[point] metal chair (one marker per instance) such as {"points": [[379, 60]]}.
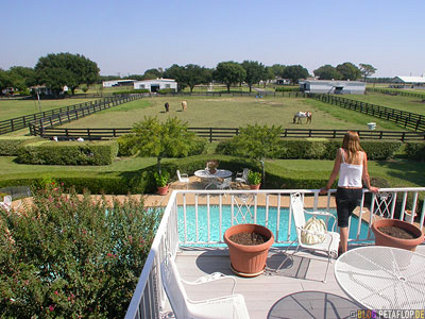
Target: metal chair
{"points": [[329, 246], [242, 177], [220, 307], [183, 178], [7, 203]]}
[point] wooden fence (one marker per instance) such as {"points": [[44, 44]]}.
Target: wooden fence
{"points": [[216, 134], [400, 92], [409, 120], [74, 111]]}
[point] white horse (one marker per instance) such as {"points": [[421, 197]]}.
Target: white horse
{"points": [[301, 115]]}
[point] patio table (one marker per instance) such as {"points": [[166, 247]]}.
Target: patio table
{"points": [[209, 178], [383, 278]]}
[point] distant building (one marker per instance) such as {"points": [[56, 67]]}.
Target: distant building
{"points": [[409, 81], [126, 82], [156, 85], [332, 87]]}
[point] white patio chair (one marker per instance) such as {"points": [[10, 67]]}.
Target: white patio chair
{"points": [[183, 178], [330, 244], [242, 177], [231, 306], [7, 203], [225, 184]]}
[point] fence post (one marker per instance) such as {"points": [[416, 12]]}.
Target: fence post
{"points": [[210, 134]]}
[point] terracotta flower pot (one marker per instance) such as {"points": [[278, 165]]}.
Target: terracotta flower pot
{"points": [[162, 190], [382, 239], [248, 261], [255, 187]]}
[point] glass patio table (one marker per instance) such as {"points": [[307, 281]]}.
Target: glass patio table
{"points": [[383, 278], [210, 179]]}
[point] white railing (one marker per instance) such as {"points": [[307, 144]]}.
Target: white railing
{"points": [[244, 206]]}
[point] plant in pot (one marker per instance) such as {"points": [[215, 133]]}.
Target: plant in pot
{"points": [[212, 166], [249, 245], [397, 233], [254, 180], [161, 180]]}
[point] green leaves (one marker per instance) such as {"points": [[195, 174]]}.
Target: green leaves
{"points": [[70, 256]]}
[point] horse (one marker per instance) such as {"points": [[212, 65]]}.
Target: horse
{"points": [[184, 105], [300, 115]]}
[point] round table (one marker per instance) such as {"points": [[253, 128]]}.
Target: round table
{"points": [[383, 277], [220, 173]]}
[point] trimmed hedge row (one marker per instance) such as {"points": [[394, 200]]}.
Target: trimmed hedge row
{"points": [[10, 145], [415, 151], [68, 153], [138, 91], [318, 148]]}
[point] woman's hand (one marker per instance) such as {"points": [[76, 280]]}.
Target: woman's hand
{"points": [[323, 190], [374, 189]]}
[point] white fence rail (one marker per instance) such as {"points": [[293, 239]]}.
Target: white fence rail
{"points": [[204, 210]]}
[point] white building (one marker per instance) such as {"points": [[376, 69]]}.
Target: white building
{"points": [[109, 84], [156, 85], [410, 80], [332, 87]]}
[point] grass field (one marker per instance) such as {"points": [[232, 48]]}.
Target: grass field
{"points": [[403, 103], [232, 112], [15, 108]]}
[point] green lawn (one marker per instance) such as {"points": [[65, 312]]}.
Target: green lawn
{"points": [[15, 108], [403, 103], [232, 112]]}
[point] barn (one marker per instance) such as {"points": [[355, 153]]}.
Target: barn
{"points": [[332, 87], [109, 84], [409, 81], [156, 85]]}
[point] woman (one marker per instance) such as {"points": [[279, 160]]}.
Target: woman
{"points": [[351, 164]]}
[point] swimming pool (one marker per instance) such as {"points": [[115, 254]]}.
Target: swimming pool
{"points": [[226, 222]]}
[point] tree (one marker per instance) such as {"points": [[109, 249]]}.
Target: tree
{"points": [[58, 70], [23, 77], [366, 70], [327, 72], [5, 80], [153, 74], [258, 143], [176, 72], [194, 75], [295, 73], [278, 69], [229, 72], [348, 71], [153, 138], [254, 72]]}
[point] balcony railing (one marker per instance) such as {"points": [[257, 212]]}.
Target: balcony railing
{"points": [[175, 228]]}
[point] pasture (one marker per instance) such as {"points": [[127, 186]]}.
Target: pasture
{"points": [[232, 112], [15, 108]]}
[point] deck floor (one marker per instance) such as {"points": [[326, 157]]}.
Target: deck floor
{"points": [[296, 292]]}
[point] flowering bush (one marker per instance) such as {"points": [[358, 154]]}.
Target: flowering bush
{"points": [[72, 257]]}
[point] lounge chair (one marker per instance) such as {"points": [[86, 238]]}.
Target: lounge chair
{"points": [[328, 247], [183, 178], [220, 307]]}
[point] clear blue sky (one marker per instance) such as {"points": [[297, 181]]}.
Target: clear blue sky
{"points": [[126, 37]]}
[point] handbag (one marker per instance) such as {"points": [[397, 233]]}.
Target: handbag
{"points": [[317, 226]]}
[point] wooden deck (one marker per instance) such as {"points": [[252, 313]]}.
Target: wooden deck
{"points": [[295, 292]]}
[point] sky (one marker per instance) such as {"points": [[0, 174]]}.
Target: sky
{"points": [[128, 36]]}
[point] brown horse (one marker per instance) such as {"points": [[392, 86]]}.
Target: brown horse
{"points": [[300, 115]]}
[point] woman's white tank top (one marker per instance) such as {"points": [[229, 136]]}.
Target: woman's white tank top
{"points": [[350, 175]]}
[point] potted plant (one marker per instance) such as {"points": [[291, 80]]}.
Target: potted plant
{"points": [[249, 246], [254, 180], [161, 180], [397, 233], [212, 166]]}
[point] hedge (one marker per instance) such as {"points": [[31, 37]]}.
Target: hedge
{"points": [[287, 89], [415, 151], [318, 148], [68, 153], [138, 91], [10, 145]]}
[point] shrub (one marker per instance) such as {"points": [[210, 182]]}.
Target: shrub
{"points": [[70, 257], [166, 91], [415, 151], [287, 89], [380, 150], [138, 91], [69, 153], [9, 146]]}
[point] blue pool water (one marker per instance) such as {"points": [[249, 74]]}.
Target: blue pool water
{"points": [[214, 232]]}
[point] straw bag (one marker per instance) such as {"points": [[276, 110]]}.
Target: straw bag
{"points": [[317, 226]]}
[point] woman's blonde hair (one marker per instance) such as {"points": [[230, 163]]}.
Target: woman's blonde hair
{"points": [[351, 143]]}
